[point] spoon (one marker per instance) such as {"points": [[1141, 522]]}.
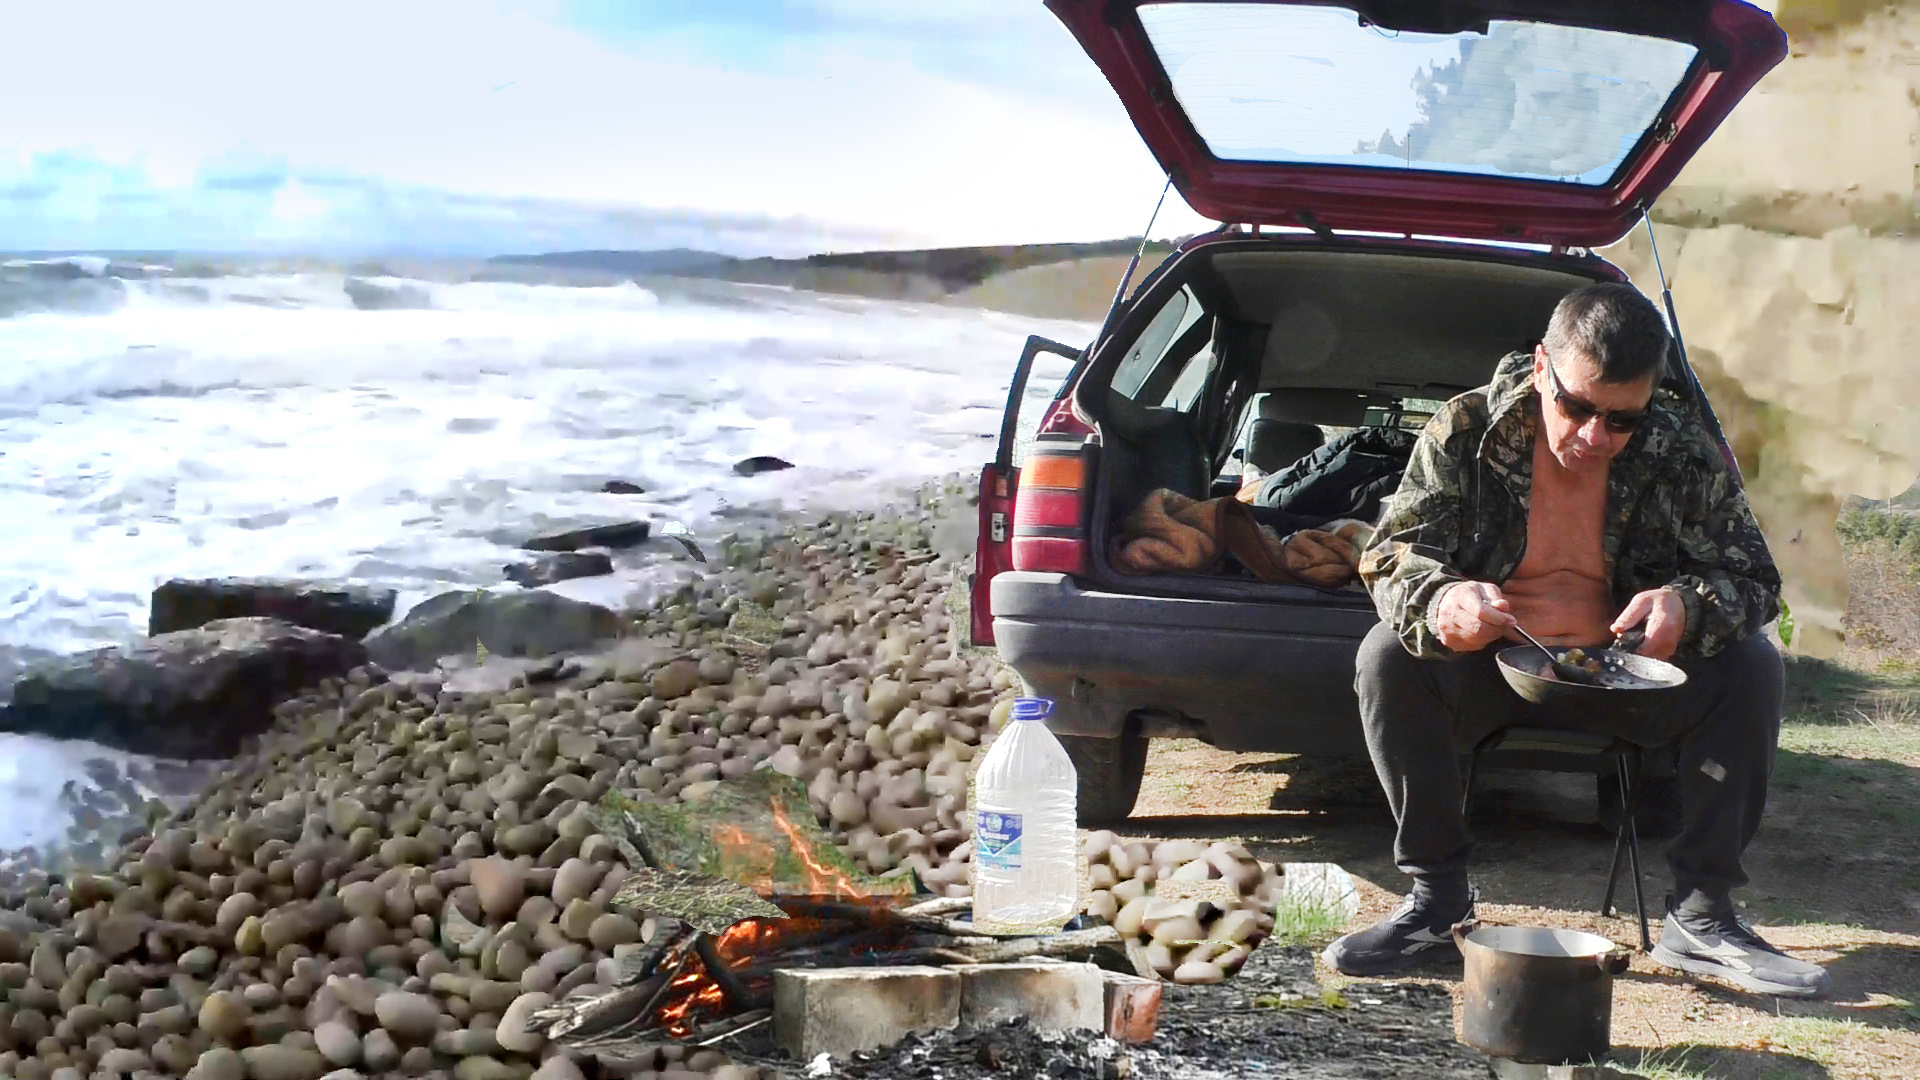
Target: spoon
{"points": [[1563, 671]]}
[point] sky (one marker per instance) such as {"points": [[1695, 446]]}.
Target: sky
{"points": [[475, 127]]}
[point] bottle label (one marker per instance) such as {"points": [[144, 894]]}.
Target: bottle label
{"points": [[996, 841]]}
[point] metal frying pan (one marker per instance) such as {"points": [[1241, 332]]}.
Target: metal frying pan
{"points": [[1625, 678]]}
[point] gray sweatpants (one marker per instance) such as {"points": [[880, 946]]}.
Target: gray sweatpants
{"points": [[1421, 715]]}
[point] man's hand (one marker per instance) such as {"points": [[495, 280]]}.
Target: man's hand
{"points": [[1471, 615], [1666, 619]]}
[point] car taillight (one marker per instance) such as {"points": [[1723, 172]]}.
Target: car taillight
{"points": [[1049, 510]]}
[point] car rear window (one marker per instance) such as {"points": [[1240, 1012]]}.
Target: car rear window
{"points": [[1179, 313], [1310, 84]]}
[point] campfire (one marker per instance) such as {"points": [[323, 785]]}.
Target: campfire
{"points": [[744, 884]]}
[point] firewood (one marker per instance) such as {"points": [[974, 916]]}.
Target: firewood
{"points": [[1079, 944]]}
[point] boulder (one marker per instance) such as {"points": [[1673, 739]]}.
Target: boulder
{"points": [[187, 694], [561, 566], [347, 610], [622, 487], [619, 534], [535, 624], [760, 463]]}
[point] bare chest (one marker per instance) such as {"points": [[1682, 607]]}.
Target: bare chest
{"points": [[1566, 527]]}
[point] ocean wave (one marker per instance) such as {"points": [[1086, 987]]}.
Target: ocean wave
{"points": [[79, 336], [90, 285]]}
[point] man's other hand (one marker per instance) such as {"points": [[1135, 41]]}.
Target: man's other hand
{"points": [[1471, 616], [1665, 617]]}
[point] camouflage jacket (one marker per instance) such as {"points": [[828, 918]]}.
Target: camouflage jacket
{"points": [[1676, 517]]}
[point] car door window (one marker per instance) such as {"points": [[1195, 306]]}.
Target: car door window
{"points": [[1192, 381], [1179, 313]]}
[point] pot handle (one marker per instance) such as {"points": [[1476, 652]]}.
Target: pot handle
{"points": [[1462, 928], [1614, 961]]}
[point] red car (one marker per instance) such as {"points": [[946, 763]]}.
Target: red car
{"points": [[1408, 187]]}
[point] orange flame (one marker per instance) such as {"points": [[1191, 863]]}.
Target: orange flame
{"points": [[694, 992], [749, 860], [822, 880], [684, 1000]]}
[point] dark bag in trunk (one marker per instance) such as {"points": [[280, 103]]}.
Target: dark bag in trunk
{"points": [[1347, 478]]}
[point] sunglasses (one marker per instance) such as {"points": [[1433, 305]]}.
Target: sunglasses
{"points": [[1580, 410]]}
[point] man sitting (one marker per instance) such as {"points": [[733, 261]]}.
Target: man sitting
{"points": [[1568, 497]]}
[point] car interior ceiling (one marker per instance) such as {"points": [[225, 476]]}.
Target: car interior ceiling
{"points": [[1297, 342]]}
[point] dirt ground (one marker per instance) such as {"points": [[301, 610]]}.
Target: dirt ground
{"points": [[1835, 877]]}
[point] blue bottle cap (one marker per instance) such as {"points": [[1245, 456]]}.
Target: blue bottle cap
{"points": [[1032, 708]]}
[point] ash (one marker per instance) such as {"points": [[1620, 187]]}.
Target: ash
{"points": [[1271, 1020]]}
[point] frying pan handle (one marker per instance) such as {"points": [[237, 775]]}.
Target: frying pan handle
{"points": [[1630, 640], [1614, 961]]}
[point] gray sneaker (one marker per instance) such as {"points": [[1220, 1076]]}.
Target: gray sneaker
{"points": [[1401, 940], [1722, 946]]}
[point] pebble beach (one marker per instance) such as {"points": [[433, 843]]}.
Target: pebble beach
{"points": [[399, 874]]}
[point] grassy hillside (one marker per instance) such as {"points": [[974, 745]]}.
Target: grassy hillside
{"points": [[928, 274]]}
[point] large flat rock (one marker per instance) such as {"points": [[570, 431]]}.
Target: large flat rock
{"points": [[195, 693], [347, 610], [532, 623], [613, 536]]}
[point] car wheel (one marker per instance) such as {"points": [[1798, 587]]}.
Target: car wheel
{"points": [[1658, 815], [1109, 773]]}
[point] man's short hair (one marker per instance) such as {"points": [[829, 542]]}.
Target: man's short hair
{"points": [[1616, 326]]}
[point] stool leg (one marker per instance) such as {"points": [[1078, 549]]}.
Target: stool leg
{"points": [[1619, 842], [1630, 795], [1473, 770]]}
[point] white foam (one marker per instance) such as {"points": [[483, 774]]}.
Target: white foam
{"points": [[32, 772], [298, 436]]}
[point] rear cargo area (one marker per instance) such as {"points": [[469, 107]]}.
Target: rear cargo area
{"points": [[1291, 379]]}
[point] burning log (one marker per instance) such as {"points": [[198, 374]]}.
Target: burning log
{"points": [[582, 1021]]}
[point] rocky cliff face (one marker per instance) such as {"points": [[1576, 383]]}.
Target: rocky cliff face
{"points": [[1791, 249]]}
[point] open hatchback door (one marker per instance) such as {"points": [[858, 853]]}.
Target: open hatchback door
{"points": [[1553, 122]]}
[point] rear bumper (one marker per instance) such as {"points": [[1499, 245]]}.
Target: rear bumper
{"points": [[1274, 676]]}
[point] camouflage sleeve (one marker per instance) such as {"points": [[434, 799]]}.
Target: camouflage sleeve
{"points": [[1727, 578], [1408, 563]]}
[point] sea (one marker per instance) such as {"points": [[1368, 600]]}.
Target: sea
{"points": [[408, 425]]}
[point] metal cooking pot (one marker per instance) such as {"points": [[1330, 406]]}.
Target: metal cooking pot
{"points": [[1537, 995]]}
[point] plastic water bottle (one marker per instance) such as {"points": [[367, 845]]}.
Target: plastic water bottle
{"points": [[1026, 867]]}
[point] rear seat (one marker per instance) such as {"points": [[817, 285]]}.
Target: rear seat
{"points": [[1273, 445]]}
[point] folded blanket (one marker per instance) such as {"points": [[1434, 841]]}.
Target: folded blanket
{"points": [[1169, 532]]}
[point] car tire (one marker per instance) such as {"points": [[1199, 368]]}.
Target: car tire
{"points": [[1658, 815], [1109, 771]]}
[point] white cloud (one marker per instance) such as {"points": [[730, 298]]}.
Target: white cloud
{"points": [[296, 213], [405, 94]]}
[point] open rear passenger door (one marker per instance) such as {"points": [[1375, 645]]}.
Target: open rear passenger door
{"points": [[1000, 484]]}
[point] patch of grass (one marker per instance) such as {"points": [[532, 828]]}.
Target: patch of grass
{"points": [[1668, 1063], [1825, 692], [1896, 742], [1306, 919], [1325, 999], [1815, 1038]]}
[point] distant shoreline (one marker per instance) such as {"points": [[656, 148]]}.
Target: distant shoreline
{"points": [[1055, 281]]}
